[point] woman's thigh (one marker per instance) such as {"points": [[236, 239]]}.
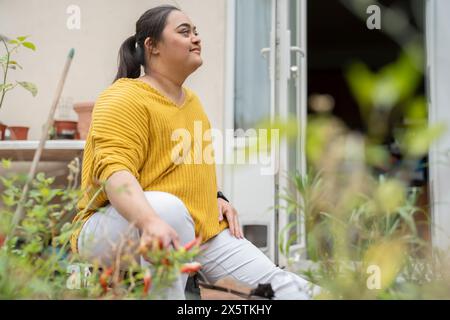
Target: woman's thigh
{"points": [[226, 255], [107, 233]]}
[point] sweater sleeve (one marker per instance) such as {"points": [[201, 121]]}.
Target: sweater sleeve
{"points": [[119, 136]]}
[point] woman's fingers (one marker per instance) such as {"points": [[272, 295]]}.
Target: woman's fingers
{"points": [[231, 226], [143, 248], [156, 244], [176, 242], [220, 212], [229, 214], [237, 227], [233, 222]]}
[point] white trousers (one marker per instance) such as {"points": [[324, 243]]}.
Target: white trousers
{"points": [[107, 233]]}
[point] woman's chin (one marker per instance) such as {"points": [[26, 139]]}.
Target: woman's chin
{"points": [[196, 64]]}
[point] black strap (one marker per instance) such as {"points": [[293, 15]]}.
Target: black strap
{"points": [[221, 196]]}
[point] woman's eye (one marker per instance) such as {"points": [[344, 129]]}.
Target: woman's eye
{"points": [[186, 32]]}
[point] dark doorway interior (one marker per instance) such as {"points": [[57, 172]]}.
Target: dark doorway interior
{"points": [[336, 37]]}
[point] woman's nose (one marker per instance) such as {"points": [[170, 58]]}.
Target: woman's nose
{"points": [[196, 39]]}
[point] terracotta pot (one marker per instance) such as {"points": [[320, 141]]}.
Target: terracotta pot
{"points": [[65, 129], [18, 133], [2, 131], [84, 111]]}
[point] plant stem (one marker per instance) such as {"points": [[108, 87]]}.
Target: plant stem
{"points": [[5, 71]]}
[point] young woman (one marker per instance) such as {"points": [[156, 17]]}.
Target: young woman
{"points": [[131, 144]]}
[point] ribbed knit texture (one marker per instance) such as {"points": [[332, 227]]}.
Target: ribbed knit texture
{"points": [[131, 129]]}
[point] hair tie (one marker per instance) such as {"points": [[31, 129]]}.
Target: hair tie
{"points": [[139, 54]]}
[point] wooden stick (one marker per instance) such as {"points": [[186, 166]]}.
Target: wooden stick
{"points": [[231, 291], [18, 215]]}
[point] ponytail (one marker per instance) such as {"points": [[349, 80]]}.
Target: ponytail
{"points": [[129, 59]]}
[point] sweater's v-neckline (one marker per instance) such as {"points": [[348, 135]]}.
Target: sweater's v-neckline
{"points": [[148, 86]]}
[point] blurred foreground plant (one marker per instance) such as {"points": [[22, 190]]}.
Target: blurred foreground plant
{"points": [[36, 261], [359, 206]]}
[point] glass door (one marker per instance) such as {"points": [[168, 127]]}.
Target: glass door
{"points": [[266, 81]]}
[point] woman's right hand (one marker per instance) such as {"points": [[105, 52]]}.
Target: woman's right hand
{"points": [[157, 234]]}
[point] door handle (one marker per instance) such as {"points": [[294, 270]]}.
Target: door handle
{"points": [[265, 51], [299, 51], [295, 70]]}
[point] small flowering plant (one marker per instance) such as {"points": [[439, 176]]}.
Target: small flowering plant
{"points": [[36, 261], [167, 264]]}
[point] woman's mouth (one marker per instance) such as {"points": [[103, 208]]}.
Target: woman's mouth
{"points": [[196, 50]]}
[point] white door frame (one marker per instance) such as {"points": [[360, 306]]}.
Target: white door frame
{"points": [[284, 51], [280, 50], [438, 94]]}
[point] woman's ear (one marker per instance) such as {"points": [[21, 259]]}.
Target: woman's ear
{"points": [[148, 43]]}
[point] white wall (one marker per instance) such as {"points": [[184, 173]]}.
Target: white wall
{"points": [[105, 24], [438, 51]]}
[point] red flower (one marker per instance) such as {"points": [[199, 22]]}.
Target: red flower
{"points": [[166, 262], [193, 243], [2, 240], [190, 267], [104, 278], [143, 248], [147, 281]]}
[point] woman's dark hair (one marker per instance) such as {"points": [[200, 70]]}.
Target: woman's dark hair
{"points": [[132, 52]]}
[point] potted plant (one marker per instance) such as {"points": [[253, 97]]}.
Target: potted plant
{"points": [[65, 129], [84, 111], [18, 132], [12, 46], [2, 131]]}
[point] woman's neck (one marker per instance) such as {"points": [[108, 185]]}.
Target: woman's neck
{"points": [[170, 87]]}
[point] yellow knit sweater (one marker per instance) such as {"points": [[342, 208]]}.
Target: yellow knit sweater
{"points": [[131, 129]]}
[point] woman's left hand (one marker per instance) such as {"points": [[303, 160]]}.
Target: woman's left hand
{"points": [[230, 213]]}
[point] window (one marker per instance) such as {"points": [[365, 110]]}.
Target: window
{"points": [[251, 75]]}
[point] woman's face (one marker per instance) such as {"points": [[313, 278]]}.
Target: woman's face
{"points": [[180, 47]]}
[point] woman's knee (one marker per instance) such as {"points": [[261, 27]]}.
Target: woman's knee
{"points": [[103, 234], [173, 211]]}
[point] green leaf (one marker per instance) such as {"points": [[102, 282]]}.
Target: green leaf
{"points": [[29, 45], [416, 141], [40, 177], [376, 155], [6, 163], [408, 217], [22, 38], [6, 87], [8, 200], [361, 82], [33, 247], [31, 87], [14, 63], [13, 42], [416, 111], [34, 194], [39, 212]]}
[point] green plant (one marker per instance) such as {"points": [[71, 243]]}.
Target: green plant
{"points": [[6, 61], [358, 205], [36, 261]]}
